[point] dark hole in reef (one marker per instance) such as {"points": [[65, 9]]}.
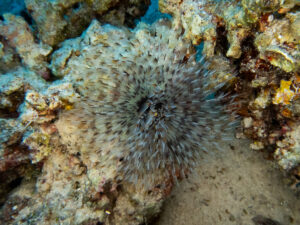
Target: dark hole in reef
{"points": [[132, 12], [248, 47], [271, 116], [15, 183], [47, 75], [133, 16], [222, 43], [280, 138], [16, 99], [141, 103], [279, 15], [249, 52], [4, 114], [1, 17], [76, 6], [295, 9], [77, 185], [27, 17], [12, 112], [99, 223]]}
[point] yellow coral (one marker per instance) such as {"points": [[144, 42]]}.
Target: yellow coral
{"points": [[284, 94], [68, 107], [287, 113]]}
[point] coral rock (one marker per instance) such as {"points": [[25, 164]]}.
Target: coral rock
{"points": [[279, 43], [19, 36], [288, 149], [61, 19]]}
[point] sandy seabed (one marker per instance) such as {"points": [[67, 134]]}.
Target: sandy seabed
{"points": [[233, 187]]}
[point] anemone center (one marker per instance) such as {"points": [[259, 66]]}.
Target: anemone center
{"points": [[158, 105], [147, 104], [150, 111]]}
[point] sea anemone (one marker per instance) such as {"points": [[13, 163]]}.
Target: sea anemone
{"points": [[157, 110]]}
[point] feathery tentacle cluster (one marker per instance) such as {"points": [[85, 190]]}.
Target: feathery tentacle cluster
{"points": [[155, 111]]}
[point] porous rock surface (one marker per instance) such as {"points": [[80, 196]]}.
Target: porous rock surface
{"points": [[260, 42], [61, 19]]}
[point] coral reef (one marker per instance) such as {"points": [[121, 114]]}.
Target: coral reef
{"points": [[44, 172], [288, 149], [279, 42], [84, 107], [195, 19], [26, 115], [13, 158], [61, 19], [260, 42], [87, 169]]}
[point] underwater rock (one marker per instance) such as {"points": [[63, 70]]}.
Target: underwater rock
{"points": [[259, 40], [25, 138], [19, 36], [195, 18], [288, 149], [279, 43], [42, 107], [256, 8], [13, 87], [9, 58], [39, 111], [14, 158], [61, 19], [201, 20], [11, 94], [11, 132]]}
